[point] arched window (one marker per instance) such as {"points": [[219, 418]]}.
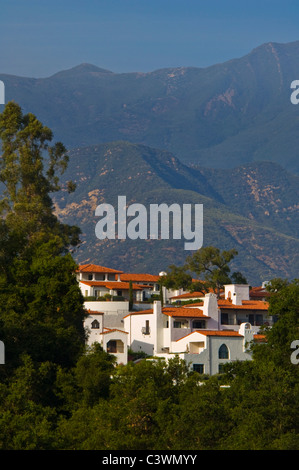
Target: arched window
{"points": [[223, 352], [95, 325]]}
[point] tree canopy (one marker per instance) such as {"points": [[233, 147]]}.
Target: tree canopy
{"points": [[58, 394], [210, 265]]}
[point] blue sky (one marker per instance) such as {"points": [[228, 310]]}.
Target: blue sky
{"points": [[41, 37]]}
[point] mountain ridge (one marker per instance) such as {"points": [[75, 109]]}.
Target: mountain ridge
{"points": [[219, 116], [105, 171]]}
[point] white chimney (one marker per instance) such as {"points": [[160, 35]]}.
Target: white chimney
{"points": [[236, 293]]}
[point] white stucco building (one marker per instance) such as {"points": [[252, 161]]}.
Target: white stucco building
{"points": [[191, 333], [112, 339], [206, 334]]}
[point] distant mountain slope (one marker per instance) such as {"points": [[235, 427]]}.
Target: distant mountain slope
{"points": [[261, 191], [146, 175], [221, 116]]}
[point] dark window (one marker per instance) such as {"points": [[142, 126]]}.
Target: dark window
{"points": [[223, 352], [198, 368], [95, 324], [111, 346], [224, 318], [259, 320], [90, 276], [199, 324]]}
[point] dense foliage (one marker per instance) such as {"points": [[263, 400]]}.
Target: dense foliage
{"points": [[57, 394]]}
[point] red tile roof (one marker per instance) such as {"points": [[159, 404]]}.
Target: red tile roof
{"points": [[94, 312], [189, 295], [110, 330], [225, 333], [139, 277], [140, 312], [258, 292], [184, 312], [112, 285], [178, 312], [246, 305], [219, 333], [94, 268], [260, 338]]}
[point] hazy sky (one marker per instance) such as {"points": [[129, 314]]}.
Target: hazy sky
{"points": [[41, 37]]}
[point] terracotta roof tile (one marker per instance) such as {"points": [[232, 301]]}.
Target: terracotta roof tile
{"points": [[139, 277], [246, 305], [188, 295], [111, 285], [184, 312], [222, 333], [94, 268], [178, 312], [110, 330]]}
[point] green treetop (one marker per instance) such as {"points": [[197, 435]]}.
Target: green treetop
{"points": [[40, 302]]}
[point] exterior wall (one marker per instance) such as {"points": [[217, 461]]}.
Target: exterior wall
{"points": [[112, 307], [87, 291], [236, 292], [122, 345], [198, 348], [138, 340], [235, 347], [209, 356], [94, 334], [236, 318], [183, 345], [158, 336], [98, 276]]}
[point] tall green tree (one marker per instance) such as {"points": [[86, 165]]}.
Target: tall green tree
{"points": [[210, 265], [264, 392], [40, 302], [213, 265]]}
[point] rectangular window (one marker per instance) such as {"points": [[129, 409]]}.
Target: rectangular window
{"points": [[177, 324], [224, 318], [111, 347], [258, 320], [145, 330], [198, 368]]}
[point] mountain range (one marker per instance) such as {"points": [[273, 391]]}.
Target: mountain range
{"points": [[251, 208], [220, 116], [224, 136]]}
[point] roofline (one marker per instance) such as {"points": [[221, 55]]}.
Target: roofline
{"points": [[213, 333]]}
